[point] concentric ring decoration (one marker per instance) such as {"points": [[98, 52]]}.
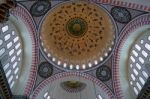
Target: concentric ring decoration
{"points": [[40, 8], [45, 69], [103, 73], [121, 15], [55, 80], [22, 14], [73, 86], [81, 42], [125, 41]]}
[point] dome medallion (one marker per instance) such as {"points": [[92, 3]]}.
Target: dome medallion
{"points": [[76, 27]]}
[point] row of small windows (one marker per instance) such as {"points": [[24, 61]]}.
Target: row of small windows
{"points": [[139, 56], [47, 96], [10, 46]]}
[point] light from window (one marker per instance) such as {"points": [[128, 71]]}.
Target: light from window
{"points": [[149, 38], [77, 67], [142, 41], [131, 65], [141, 60], [83, 66], [142, 80], [5, 28], [135, 72], [16, 39], [48, 97], [145, 74], [71, 66], [138, 47], [13, 58], [133, 77], [8, 73], [17, 46], [6, 66], [2, 51], [53, 59], [147, 46], [135, 53], [144, 53], [59, 62], [101, 58], [17, 77], [95, 62], [139, 86], [15, 64], [7, 37], [16, 70], [99, 97], [131, 83], [45, 95], [12, 84], [10, 78], [9, 45], [19, 52], [13, 32], [11, 52], [65, 65], [138, 66], [133, 60], [135, 90]]}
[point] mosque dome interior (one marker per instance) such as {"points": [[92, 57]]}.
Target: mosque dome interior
{"points": [[74, 49]]}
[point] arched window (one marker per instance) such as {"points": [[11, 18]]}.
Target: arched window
{"points": [[139, 57]]}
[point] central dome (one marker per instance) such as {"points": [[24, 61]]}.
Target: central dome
{"points": [[77, 34]]}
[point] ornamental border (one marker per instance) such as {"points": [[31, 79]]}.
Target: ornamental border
{"points": [[68, 74], [124, 4], [129, 28], [22, 12]]}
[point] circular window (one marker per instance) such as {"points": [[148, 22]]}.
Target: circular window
{"points": [[10, 51], [77, 35]]}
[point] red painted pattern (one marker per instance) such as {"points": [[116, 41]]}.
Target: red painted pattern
{"points": [[123, 4], [43, 84], [25, 16]]}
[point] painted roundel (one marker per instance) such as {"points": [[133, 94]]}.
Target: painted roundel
{"points": [[103, 73], [120, 14], [45, 69], [77, 35], [73, 86], [40, 8]]}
